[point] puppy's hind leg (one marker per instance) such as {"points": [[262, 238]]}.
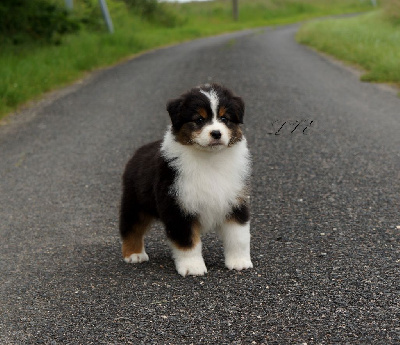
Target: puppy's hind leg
{"points": [[133, 249], [133, 225]]}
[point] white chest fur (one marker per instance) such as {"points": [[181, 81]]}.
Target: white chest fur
{"points": [[208, 184]]}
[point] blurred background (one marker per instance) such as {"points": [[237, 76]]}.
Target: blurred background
{"points": [[46, 44]]}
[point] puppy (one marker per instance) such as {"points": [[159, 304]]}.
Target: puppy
{"points": [[194, 180]]}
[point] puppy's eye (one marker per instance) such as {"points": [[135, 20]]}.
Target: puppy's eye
{"points": [[223, 119], [199, 121]]}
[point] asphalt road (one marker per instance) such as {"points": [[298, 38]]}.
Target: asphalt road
{"points": [[325, 207]]}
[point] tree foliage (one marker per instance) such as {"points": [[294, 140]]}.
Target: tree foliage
{"points": [[23, 20]]}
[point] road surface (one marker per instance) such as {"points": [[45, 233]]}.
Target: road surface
{"points": [[325, 206]]}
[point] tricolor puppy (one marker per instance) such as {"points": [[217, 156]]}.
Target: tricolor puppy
{"points": [[195, 180]]}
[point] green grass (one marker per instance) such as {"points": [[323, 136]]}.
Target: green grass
{"points": [[29, 70], [370, 41]]}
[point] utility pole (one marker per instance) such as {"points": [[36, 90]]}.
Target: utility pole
{"points": [[106, 15], [235, 8], [69, 4]]}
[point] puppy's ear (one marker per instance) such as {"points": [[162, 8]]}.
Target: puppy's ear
{"points": [[238, 106], [173, 108]]}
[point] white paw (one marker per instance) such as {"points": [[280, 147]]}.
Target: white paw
{"points": [[191, 267], [136, 258], [237, 263]]}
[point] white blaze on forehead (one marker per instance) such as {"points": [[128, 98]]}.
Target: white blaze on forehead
{"points": [[213, 97]]}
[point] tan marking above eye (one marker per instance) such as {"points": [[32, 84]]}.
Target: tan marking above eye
{"points": [[221, 111], [202, 112]]}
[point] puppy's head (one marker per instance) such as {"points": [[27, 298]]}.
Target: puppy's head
{"points": [[207, 117]]}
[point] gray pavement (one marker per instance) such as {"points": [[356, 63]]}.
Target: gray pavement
{"points": [[325, 207]]}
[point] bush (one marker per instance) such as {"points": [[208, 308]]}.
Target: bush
{"points": [[391, 10], [23, 20], [90, 14], [154, 12]]}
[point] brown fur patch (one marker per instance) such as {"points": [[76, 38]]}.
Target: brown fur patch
{"points": [[240, 214], [221, 111], [134, 242], [196, 231], [202, 112], [186, 134], [231, 220], [236, 135]]}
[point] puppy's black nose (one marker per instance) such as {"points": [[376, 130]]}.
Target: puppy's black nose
{"points": [[216, 134]]}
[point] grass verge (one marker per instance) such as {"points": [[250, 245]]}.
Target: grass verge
{"points": [[29, 70], [370, 41]]}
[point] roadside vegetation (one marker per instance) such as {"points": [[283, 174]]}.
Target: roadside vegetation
{"points": [[370, 41], [44, 46]]}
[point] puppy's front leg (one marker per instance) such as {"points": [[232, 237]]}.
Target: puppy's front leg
{"points": [[186, 248], [236, 239], [189, 261]]}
